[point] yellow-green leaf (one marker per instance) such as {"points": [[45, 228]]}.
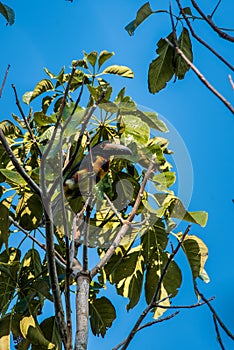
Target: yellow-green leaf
{"points": [[122, 71], [31, 331], [103, 57], [43, 86]]}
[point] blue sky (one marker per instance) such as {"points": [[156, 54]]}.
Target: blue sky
{"points": [[53, 33]]}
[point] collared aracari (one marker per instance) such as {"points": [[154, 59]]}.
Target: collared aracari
{"points": [[76, 183]]}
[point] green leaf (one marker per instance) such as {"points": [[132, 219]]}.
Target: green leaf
{"points": [[91, 57], [29, 211], [164, 180], [151, 119], [122, 71], [4, 220], [50, 331], [8, 13], [144, 12], [161, 69], [102, 314], [103, 57], [5, 327], [13, 176], [42, 120], [43, 86], [197, 254], [31, 331], [185, 46], [136, 129]]}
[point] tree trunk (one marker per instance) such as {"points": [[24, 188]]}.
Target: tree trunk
{"points": [[82, 312]]}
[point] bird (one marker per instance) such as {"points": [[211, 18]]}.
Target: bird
{"points": [[77, 182]]}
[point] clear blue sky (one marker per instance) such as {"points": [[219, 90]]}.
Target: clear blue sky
{"points": [[53, 33]]}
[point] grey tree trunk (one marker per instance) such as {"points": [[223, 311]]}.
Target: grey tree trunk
{"points": [[82, 312]]}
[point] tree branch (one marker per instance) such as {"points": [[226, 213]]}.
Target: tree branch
{"points": [[209, 20], [123, 230], [157, 291], [204, 43], [4, 80], [200, 76], [25, 119], [214, 312], [218, 333], [148, 324], [34, 187]]}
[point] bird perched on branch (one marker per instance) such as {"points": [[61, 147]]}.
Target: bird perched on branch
{"points": [[77, 182]]}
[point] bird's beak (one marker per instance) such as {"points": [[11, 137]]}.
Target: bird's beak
{"points": [[113, 149]]}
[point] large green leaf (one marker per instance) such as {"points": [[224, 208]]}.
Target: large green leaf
{"points": [[161, 69], [13, 176], [5, 327], [31, 331], [136, 129], [123, 71], [43, 86], [185, 45], [103, 57], [102, 314], [197, 254], [152, 120], [50, 331], [29, 211], [144, 12], [129, 276], [8, 13]]}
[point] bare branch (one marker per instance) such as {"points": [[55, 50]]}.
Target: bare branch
{"points": [[203, 42], [182, 306], [231, 81], [209, 20], [25, 120], [218, 333], [34, 187], [200, 76], [127, 223], [148, 324], [114, 209], [157, 291], [214, 313], [4, 80]]}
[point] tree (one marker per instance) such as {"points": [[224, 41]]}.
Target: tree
{"points": [[49, 136]]}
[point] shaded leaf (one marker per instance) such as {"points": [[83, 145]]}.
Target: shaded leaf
{"points": [[42, 120], [29, 211], [4, 220], [8, 13], [185, 45], [123, 71], [50, 331], [144, 12], [5, 327], [13, 176], [161, 69], [102, 314]]}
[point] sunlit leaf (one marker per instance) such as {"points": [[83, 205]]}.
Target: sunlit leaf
{"points": [[102, 314], [161, 69], [123, 71], [13, 176], [197, 254], [8, 13], [103, 57], [144, 12], [152, 120], [91, 57], [43, 86]]}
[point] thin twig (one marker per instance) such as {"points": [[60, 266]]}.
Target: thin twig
{"points": [[218, 333], [215, 9], [25, 120], [59, 258], [200, 76], [4, 80], [114, 209], [209, 20], [231, 81], [34, 187], [203, 42], [183, 306], [127, 223], [67, 296], [157, 291], [148, 324], [214, 313]]}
